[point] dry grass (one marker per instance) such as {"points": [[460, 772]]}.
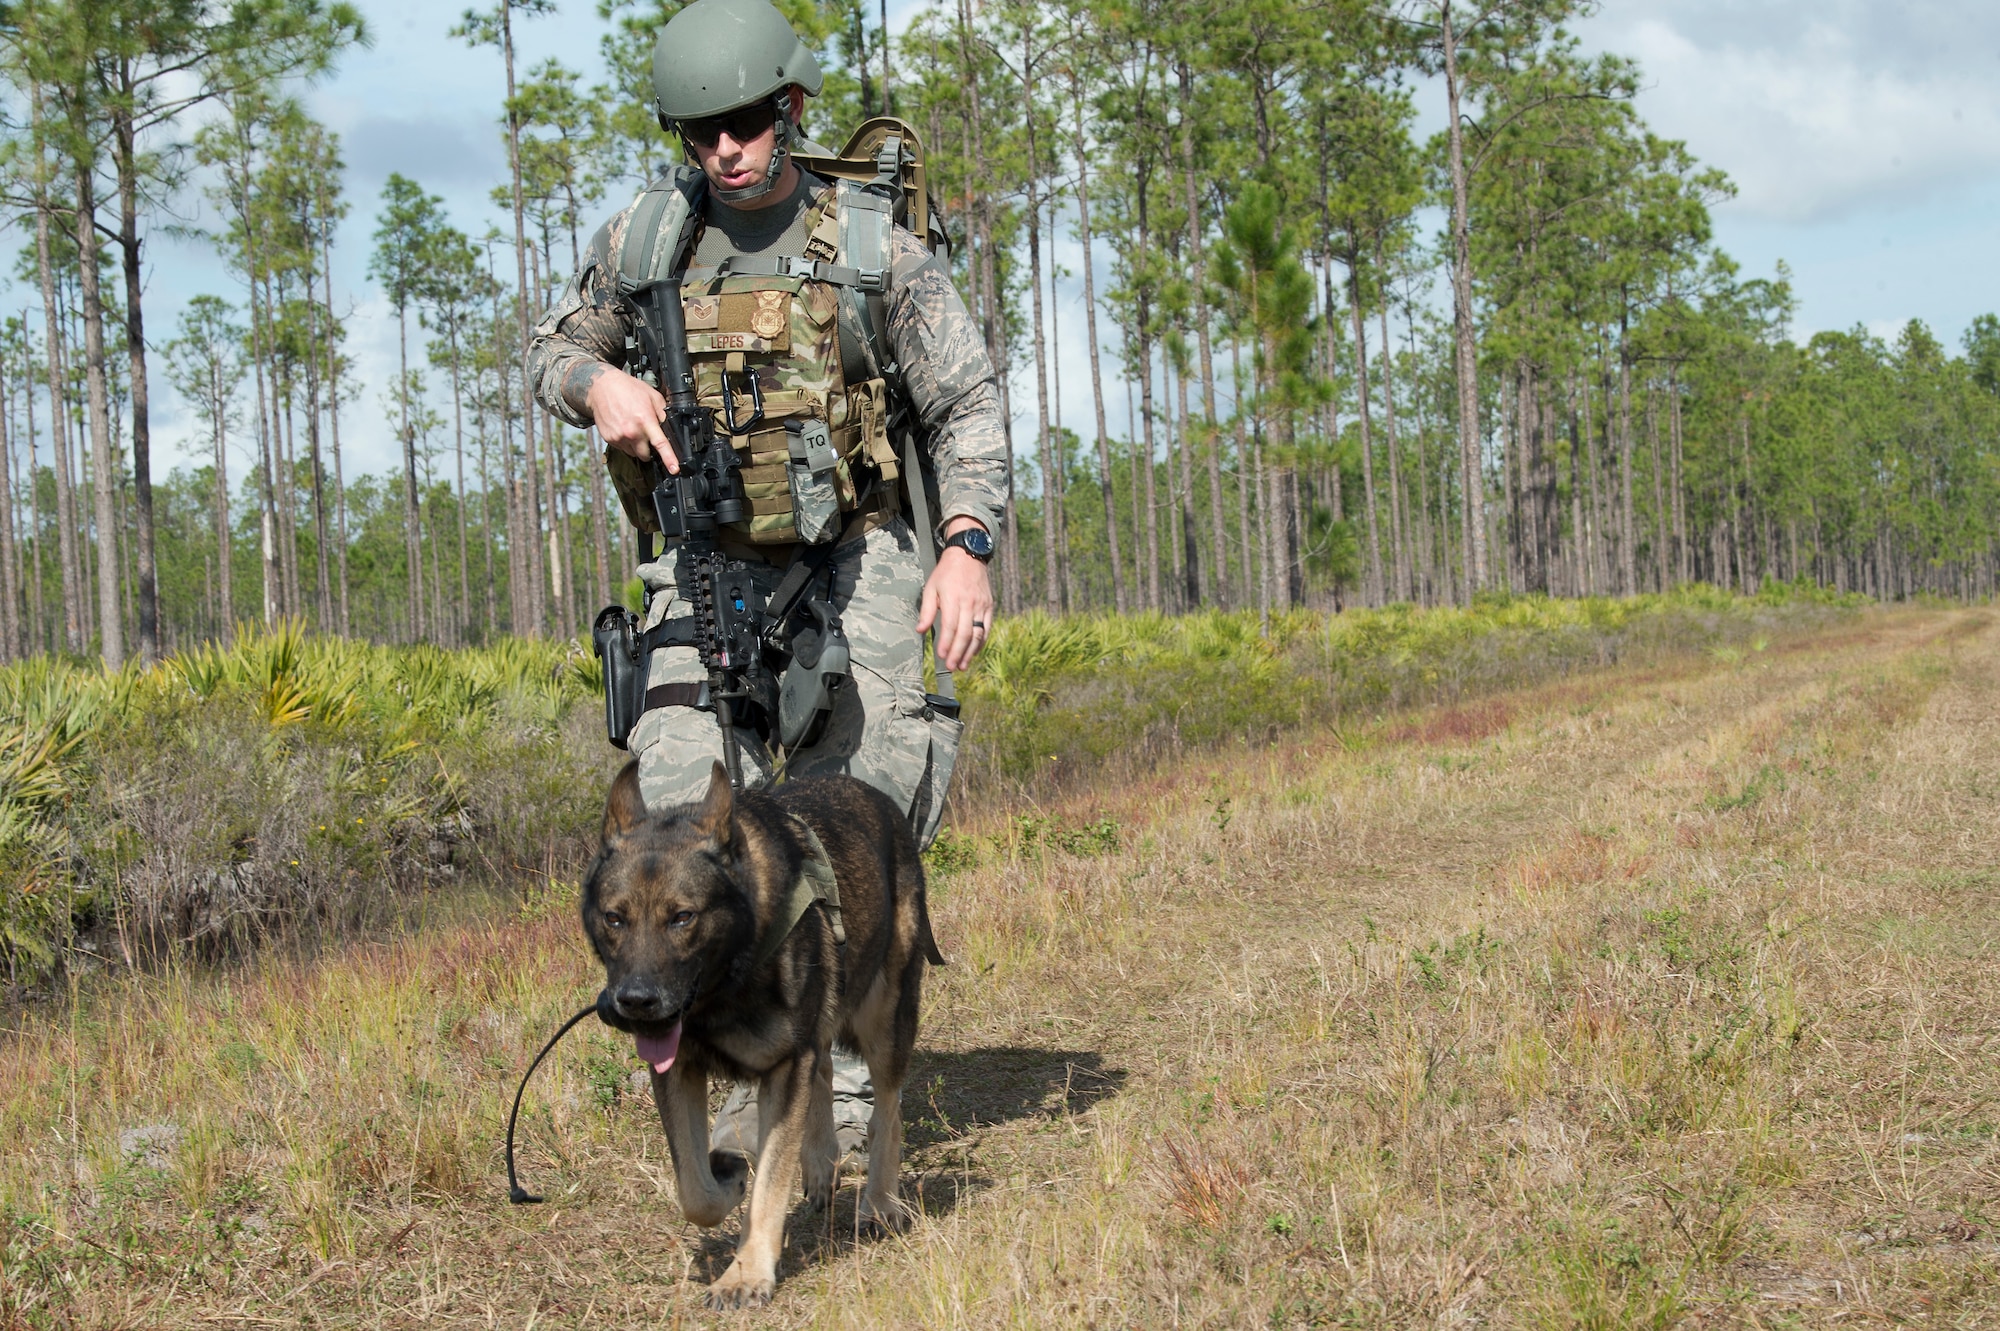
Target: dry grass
{"points": [[1648, 999]]}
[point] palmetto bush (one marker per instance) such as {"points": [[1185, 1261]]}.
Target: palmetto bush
{"points": [[282, 785]]}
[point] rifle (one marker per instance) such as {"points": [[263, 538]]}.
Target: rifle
{"points": [[745, 644]]}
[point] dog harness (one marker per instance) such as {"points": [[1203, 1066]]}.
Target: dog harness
{"points": [[814, 883]]}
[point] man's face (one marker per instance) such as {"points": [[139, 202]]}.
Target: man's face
{"points": [[735, 150]]}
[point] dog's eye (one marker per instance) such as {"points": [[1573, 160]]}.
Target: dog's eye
{"points": [[613, 920], [681, 920]]}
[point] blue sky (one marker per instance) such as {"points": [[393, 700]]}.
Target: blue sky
{"points": [[1863, 136]]}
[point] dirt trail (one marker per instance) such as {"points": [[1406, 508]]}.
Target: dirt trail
{"points": [[1652, 997]]}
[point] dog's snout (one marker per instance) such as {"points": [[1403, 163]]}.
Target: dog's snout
{"points": [[638, 1001]]}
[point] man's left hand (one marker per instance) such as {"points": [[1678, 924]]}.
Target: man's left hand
{"points": [[958, 599]]}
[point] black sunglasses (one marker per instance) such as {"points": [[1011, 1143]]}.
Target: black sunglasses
{"points": [[744, 126]]}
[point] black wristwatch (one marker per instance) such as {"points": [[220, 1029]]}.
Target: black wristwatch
{"points": [[974, 541]]}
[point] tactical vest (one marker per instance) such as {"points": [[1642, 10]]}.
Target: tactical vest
{"points": [[789, 352]]}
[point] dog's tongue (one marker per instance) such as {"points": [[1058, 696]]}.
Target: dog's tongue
{"points": [[659, 1050]]}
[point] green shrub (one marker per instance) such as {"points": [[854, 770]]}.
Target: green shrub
{"points": [[285, 785], [1051, 698]]}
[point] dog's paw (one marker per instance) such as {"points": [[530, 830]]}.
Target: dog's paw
{"points": [[884, 1214], [739, 1289]]}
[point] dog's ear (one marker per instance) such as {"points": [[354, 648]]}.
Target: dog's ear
{"points": [[626, 808], [717, 809]]}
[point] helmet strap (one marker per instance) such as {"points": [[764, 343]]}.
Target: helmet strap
{"points": [[781, 152]]}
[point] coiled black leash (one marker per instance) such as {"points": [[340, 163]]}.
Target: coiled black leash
{"points": [[517, 1194]]}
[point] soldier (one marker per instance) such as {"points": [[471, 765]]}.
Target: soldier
{"points": [[731, 78], [778, 266]]}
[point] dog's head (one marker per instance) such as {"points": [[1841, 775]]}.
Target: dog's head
{"points": [[663, 909]]}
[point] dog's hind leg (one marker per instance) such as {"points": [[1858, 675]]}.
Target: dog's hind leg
{"points": [[783, 1098], [710, 1186], [819, 1152], [885, 1028]]}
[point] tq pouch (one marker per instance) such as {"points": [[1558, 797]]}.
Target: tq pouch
{"points": [[815, 498]]}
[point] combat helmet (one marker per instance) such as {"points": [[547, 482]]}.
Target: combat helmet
{"points": [[718, 56]]}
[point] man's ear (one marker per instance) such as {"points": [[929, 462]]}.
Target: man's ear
{"points": [[626, 807], [717, 808], [797, 96]]}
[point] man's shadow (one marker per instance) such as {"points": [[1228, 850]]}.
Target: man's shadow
{"points": [[953, 1094], [949, 1101]]}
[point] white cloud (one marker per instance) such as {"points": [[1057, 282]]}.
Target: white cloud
{"points": [[1820, 111]]}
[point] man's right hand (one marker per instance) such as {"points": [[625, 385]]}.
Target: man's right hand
{"points": [[628, 412]]}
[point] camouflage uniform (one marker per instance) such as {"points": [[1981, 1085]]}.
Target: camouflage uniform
{"points": [[881, 730]]}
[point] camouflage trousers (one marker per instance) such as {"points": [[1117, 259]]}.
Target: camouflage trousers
{"points": [[882, 730]]}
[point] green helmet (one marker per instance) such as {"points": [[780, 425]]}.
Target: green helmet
{"points": [[719, 55]]}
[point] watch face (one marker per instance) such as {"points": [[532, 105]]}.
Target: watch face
{"points": [[976, 542]]}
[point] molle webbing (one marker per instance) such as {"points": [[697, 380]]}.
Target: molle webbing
{"points": [[785, 265]]}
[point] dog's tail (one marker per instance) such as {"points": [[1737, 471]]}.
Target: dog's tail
{"points": [[925, 938]]}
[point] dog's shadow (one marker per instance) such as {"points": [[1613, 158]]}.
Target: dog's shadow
{"points": [[951, 1100]]}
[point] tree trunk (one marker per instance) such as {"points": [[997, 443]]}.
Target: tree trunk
{"points": [[11, 644], [1464, 346], [1142, 314], [413, 537], [1052, 570], [532, 515], [1211, 437], [485, 507], [36, 540], [333, 405], [1398, 520], [1679, 494], [1628, 555], [1118, 594], [1332, 367], [323, 580], [147, 591], [1374, 590], [1193, 566], [67, 552], [1245, 475], [111, 628], [1659, 506], [458, 444]]}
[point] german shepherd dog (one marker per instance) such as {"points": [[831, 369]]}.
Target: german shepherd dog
{"points": [[679, 905]]}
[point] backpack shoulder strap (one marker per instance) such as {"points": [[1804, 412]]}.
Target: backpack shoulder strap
{"points": [[659, 228], [866, 221]]}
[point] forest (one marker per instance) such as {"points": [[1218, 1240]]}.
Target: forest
{"points": [[1362, 365]]}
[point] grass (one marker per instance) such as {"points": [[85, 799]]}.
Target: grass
{"points": [[1652, 996]]}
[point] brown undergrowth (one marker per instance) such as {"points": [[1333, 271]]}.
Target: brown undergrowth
{"points": [[1655, 998]]}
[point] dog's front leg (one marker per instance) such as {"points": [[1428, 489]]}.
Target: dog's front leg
{"points": [[783, 1100], [681, 1094]]}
